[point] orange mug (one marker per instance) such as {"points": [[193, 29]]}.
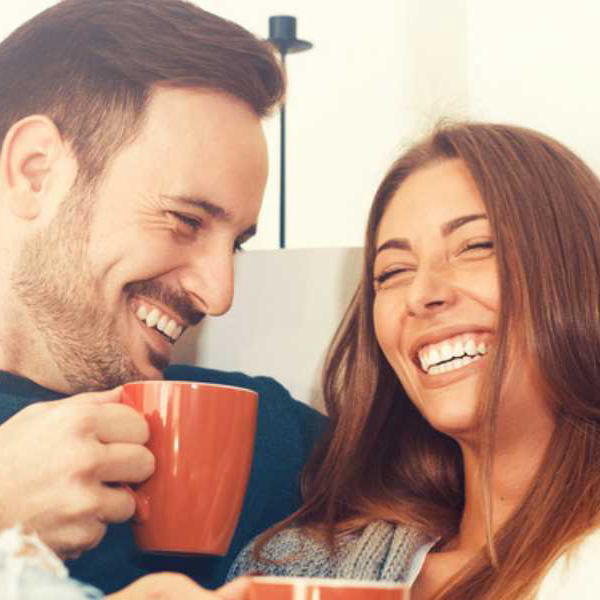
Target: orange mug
{"points": [[306, 588], [202, 437]]}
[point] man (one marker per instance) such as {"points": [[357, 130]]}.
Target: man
{"points": [[133, 166]]}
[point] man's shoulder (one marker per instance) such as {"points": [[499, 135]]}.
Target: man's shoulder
{"points": [[16, 393]]}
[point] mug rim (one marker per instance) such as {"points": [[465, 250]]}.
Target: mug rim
{"points": [[330, 582], [192, 383]]}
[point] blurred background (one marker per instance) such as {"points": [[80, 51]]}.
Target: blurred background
{"points": [[382, 72]]}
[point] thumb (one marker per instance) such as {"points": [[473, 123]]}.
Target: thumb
{"points": [[235, 590]]}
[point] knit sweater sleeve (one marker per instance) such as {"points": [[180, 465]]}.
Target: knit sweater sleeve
{"points": [[289, 553], [381, 551]]}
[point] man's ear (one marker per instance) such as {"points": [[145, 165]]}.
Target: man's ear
{"points": [[30, 150]]}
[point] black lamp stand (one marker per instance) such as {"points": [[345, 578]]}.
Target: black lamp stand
{"points": [[282, 34]]}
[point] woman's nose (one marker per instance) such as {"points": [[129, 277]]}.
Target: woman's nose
{"points": [[430, 291]]}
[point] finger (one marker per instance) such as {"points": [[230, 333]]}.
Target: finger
{"points": [[121, 423], [126, 463], [235, 590], [167, 586], [74, 538], [118, 505]]}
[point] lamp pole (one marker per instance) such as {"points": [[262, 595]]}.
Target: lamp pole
{"points": [[282, 34]]}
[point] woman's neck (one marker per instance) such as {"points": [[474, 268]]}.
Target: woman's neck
{"points": [[515, 463]]}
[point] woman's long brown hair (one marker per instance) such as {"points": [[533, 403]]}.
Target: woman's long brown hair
{"points": [[382, 460]]}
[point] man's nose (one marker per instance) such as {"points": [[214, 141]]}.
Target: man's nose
{"points": [[430, 292], [208, 279]]}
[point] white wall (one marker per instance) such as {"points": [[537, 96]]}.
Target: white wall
{"points": [[536, 63]]}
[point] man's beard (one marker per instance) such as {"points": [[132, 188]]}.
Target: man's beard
{"points": [[54, 281]]}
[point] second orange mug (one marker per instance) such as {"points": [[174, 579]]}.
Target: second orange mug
{"points": [[202, 437], [306, 588]]}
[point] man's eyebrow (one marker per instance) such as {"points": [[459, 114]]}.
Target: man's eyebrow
{"points": [[214, 210], [446, 229]]}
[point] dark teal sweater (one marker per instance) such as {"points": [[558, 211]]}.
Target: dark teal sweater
{"points": [[285, 435]]}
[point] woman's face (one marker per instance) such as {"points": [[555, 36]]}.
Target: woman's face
{"points": [[437, 294]]}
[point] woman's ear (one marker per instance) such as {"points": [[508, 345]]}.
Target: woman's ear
{"points": [[29, 153]]}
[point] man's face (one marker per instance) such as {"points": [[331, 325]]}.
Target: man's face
{"points": [[112, 287]]}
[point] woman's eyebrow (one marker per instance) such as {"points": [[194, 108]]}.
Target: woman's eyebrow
{"points": [[454, 224], [446, 229]]}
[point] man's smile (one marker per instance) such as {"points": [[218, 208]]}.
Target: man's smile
{"points": [[157, 318]]}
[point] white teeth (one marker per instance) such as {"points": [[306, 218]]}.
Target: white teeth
{"points": [[434, 357], [463, 349], [169, 328], [152, 318], [452, 365], [446, 351], [470, 348], [164, 324]]}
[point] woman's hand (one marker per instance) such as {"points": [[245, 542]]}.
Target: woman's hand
{"points": [[174, 586]]}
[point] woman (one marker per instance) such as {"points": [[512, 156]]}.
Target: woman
{"points": [[462, 384]]}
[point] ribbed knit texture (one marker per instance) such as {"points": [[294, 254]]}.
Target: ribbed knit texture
{"points": [[382, 551]]}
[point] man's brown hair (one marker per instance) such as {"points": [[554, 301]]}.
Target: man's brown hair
{"points": [[91, 66]]}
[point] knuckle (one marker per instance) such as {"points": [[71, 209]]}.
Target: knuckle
{"points": [[84, 505], [89, 460], [79, 420], [86, 537]]}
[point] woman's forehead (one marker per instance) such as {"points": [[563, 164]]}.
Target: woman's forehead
{"points": [[429, 198]]}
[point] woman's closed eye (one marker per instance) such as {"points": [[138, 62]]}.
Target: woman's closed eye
{"points": [[481, 248], [391, 274]]}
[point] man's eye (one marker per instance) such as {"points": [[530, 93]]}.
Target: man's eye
{"points": [[193, 223]]}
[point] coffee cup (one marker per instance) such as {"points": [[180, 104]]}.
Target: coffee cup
{"points": [[202, 438], [306, 588]]}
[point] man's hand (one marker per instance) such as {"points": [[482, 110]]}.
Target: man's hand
{"points": [[61, 464], [173, 586]]}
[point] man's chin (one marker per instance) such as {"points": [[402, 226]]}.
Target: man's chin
{"points": [[156, 364]]}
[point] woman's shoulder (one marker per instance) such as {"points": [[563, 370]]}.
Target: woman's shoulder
{"points": [[379, 551], [575, 574]]}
